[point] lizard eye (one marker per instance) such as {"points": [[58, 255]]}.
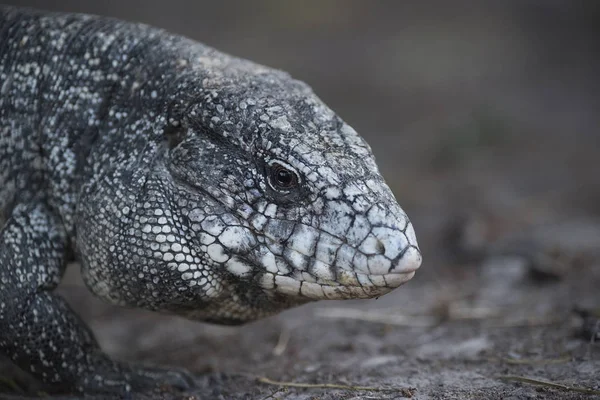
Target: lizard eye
{"points": [[282, 178]]}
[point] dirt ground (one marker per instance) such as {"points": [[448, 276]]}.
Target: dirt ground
{"points": [[485, 121]]}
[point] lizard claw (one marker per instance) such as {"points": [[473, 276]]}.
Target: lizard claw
{"points": [[177, 378]]}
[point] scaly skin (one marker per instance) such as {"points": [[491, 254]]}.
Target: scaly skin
{"points": [[183, 180]]}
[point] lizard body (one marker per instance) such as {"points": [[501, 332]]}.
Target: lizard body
{"points": [[183, 180]]}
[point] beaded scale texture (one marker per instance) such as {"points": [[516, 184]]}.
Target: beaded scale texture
{"points": [[183, 180]]}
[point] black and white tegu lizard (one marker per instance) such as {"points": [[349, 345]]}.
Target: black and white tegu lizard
{"points": [[183, 180]]}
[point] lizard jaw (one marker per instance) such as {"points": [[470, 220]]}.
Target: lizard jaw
{"points": [[350, 285], [385, 284]]}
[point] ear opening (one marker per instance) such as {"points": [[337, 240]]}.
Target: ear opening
{"points": [[174, 134]]}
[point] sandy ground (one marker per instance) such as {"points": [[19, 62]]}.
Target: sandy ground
{"points": [[485, 123]]}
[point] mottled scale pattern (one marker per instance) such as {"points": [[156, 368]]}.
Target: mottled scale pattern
{"points": [[183, 180]]}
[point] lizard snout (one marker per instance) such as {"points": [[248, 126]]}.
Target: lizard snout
{"points": [[390, 251]]}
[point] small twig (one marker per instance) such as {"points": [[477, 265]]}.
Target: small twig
{"points": [[458, 313], [541, 382], [406, 392], [527, 323], [388, 319], [426, 321], [282, 342], [529, 361]]}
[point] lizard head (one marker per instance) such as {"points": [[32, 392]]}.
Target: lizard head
{"points": [[283, 199]]}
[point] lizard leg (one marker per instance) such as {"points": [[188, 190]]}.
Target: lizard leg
{"points": [[38, 330]]}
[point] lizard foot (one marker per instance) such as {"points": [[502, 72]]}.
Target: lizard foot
{"points": [[128, 378]]}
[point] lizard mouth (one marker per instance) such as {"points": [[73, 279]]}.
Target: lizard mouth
{"points": [[349, 285]]}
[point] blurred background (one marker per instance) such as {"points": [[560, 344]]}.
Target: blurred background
{"points": [[485, 120]]}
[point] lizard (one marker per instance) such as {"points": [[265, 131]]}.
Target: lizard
{"points": [[183, 180]]}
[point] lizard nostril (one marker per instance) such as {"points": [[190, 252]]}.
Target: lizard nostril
{"points": [[380, 247]]}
